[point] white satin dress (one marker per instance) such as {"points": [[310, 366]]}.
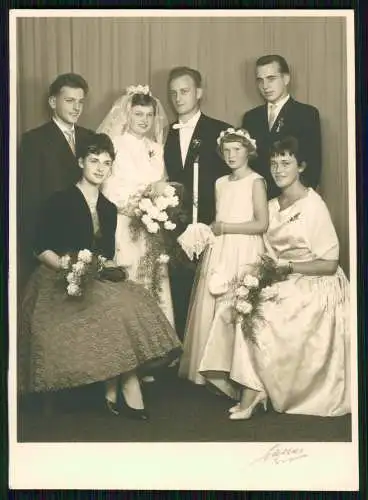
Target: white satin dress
{"points": [[138, 163], [302, 355]]}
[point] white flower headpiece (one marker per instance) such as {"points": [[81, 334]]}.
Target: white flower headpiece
{"points": [[138, 89], [239, 132]]}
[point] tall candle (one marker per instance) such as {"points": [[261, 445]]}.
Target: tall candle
{"points": [[195, 191]]}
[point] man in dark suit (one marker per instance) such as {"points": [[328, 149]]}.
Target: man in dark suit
{"points": [[47, 160], [192, 137], [282, 116]]}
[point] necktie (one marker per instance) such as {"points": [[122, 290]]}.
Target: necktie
{"points": [[272, 116], [69, 134]]}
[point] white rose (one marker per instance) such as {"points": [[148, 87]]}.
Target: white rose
{"points": [[242, 291], [162, 216], [243, 307], [85, 256], [73, 290], [146, 219], [169, 191], [169, 226], [153, 227], [162, 203], [145, 204], [174, 201], [163, 258], [250, 281], [153, 212]]}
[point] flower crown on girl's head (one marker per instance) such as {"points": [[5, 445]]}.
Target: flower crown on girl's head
{"points": [[240, 132], [138, 89]]}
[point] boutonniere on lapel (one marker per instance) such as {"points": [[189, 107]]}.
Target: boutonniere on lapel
{"points": [[280, 124], [293, 218], [196, 143]]}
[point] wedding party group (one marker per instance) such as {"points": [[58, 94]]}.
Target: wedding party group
{"points": [[200, 245]]}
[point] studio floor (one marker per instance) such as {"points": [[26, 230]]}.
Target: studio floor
{"points": [[179, 411]]}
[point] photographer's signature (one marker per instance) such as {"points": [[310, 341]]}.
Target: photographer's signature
{"points": [[281, 454]]}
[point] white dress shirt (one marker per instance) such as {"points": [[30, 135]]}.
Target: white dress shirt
{"points": [[185, 133], [277, 106], [67, 131]]}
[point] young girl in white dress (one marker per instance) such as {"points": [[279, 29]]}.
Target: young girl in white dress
{"points": [[241, 219], [136, 125]]}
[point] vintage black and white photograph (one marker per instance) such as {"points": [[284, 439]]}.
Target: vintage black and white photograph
{"points": [[183, 283]]}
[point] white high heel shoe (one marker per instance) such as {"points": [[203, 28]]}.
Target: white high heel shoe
{"points": [[234, 408], [261, 398]]}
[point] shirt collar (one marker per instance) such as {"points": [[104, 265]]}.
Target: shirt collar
{"points": [[280, 103], [193, 121], [63, 127]]}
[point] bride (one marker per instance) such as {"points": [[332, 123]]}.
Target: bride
{"points": [[136, 125]]}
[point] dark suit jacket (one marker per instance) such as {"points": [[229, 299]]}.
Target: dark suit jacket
{"points": [[65, 224], [45, 164], [295, 119], [211, 165]]}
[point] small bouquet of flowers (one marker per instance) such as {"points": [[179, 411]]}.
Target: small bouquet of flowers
{"points": [[155, 212], [253, 289], [78, 268]]}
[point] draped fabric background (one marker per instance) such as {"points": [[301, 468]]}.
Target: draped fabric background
{"points": [[112, 53]]}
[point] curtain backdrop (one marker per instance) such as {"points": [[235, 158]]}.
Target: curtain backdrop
{"points": [[112, 53]]}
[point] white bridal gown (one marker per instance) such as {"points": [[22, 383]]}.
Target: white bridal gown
{"points": [[138, 163]]}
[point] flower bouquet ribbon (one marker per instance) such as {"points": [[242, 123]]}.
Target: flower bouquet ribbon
{"points": [[195, 239]]}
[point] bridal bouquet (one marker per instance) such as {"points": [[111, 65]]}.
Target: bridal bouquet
{"points": [[251, 290], [154, 213], [78, 269]]}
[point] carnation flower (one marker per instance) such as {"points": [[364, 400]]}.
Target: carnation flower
{"points": [[71, 278], [163, 258], [250, 281], [74, 290], [170, 226], [85, 256], [79, 267]]}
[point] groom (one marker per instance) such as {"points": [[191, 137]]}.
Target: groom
{"points": [[192, 137], [47, 159]]}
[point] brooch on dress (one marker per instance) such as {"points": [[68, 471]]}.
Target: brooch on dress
{"points": [[151, 154], [293, 218]]}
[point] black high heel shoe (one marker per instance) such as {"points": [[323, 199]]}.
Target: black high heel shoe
{"points": [[132, 413], [112, 408]]}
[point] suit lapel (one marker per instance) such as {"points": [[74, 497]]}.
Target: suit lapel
{"points": [[176, 148], [61, 139], [193, 150], [279, 122]]}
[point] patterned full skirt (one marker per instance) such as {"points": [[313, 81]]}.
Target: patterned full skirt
{"points": [[114, 328]]}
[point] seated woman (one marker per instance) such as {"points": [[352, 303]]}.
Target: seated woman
{"points": [[115, 329], [300, 359]]}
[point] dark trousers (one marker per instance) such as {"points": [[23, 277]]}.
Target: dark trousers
{"points": [[181, 280]]}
